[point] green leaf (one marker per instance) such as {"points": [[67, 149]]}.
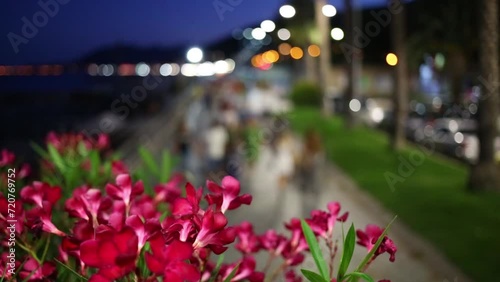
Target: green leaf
{"points": [[312, 276], [232, 274], [166, 166], [149, 161], [358, 275], [95, 163], [71, 270], [82, 149], [217, 268], [315, 250], [56, 158], [345, 260], [39, 150], [363, 263]]}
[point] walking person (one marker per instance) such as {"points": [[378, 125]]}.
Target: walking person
{"points": [[216, 139], [311, 161]]}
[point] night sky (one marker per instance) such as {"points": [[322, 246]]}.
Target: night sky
{"points": [[81, 26]]}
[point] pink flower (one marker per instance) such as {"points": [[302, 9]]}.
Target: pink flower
{"points": [[24, 171], [112, 252], [189, 205], [246, 271], [291, 276], [322, 223], [181, 229], [213, 234], [145, 207], [169, 260], [33, 270], [143, 230], [369, 237], [40, 219], [7, 158], [226, 197], [248, 242], [5, 215], [6, 265], [298, 242], [170, 191], [39, 192], [118, 167], [102, 142], [124, 189], [87, 204], [273, 242]]}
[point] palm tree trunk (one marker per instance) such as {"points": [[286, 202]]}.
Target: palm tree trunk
{"points": [[484, 176], [311, 66], [323, 25], [400, 95], [351, 70]]}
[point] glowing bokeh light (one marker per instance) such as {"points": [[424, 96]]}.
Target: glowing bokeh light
{"points": [[221, 67], [142, 69], [194, 55], [189, 70], [205, 69], [92, 69], [284, 34], [287, 11], [270, 56], [268, 26], [391, 59], [337, 34], [355, 105], [247, 33], [176, 69], [296, 53], [329, 10], [284, 48], [314, 50], [166, 70], [258, 33]]}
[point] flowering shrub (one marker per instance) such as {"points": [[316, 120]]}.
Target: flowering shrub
{"points": [[119, 232]]}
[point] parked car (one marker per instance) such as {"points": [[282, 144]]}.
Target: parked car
{"points": [[458, 138]]}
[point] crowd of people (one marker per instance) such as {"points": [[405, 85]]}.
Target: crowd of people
{"points": [[226, 127]]}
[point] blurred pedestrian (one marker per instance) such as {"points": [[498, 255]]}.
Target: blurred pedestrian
{"points": [[310, 161], [216, 139], [284, 152]]}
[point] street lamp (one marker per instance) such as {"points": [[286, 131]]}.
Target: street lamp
{"points": [[329, 10], [337, 34], [287, 11], [284, 34], [258, 33], [391, 59], [268, 26], [194, 55]]}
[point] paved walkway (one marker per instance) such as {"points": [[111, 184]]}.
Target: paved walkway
{"points": [[416, 260]]}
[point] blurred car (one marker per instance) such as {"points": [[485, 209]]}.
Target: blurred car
{"points": [[458, 138]]}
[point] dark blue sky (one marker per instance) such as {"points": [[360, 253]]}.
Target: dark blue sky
{"points": [[81, 26]]}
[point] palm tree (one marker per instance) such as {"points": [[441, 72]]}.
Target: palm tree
{"points": [[323, 29], [303, 33], [353, 63], [439, 31], [400, 95], [484, 175]]}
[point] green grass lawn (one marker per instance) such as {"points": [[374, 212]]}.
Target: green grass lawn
{"points": [[432, 200]]}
